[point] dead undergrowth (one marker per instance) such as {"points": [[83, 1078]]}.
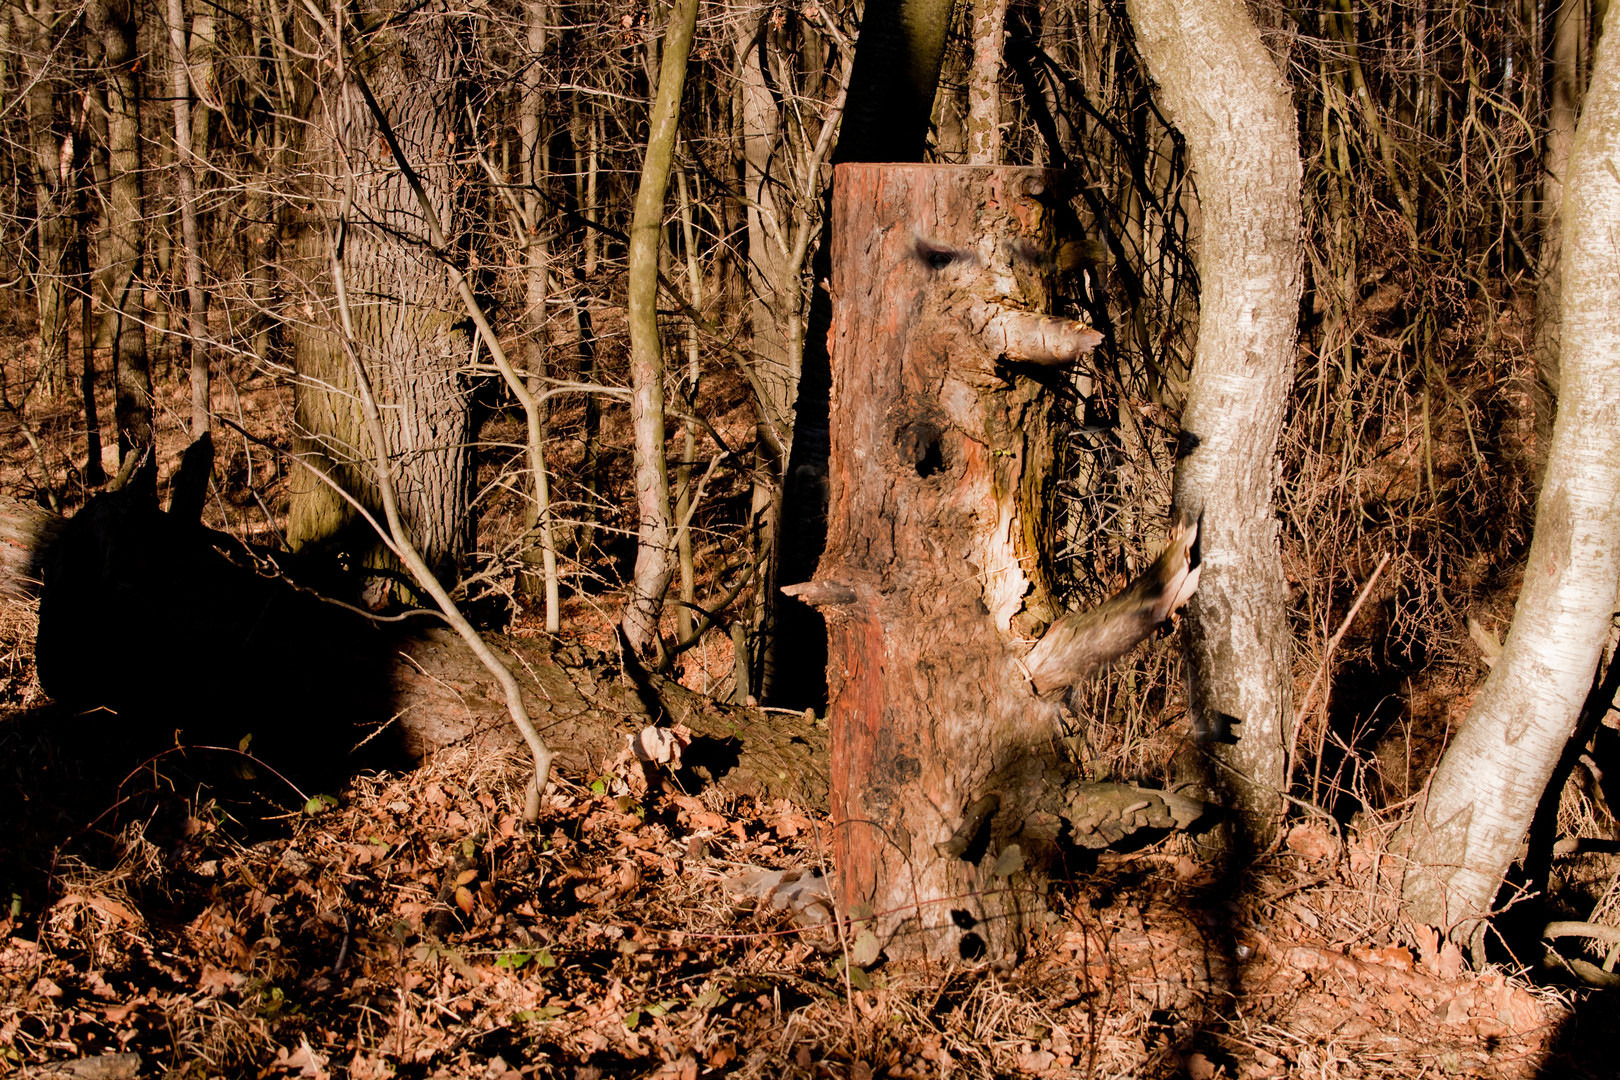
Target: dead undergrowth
{"points": [[413, 927]]}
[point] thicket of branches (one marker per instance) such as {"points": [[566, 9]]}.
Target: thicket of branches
{"points": [[1428, 129]]}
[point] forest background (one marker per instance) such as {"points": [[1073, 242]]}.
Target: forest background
{"points": [[181, 176]]}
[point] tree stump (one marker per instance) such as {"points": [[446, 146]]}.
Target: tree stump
{"points": [[935, 576]]}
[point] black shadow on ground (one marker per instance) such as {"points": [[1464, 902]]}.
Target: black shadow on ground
{"points": [[182, 670]]}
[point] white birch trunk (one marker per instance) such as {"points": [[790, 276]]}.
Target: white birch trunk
{"points": [[1487, 786], [1222, 89], [984, 82], [1570, 29]]}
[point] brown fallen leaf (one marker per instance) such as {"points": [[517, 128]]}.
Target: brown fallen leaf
{"points": [[125, 1066], [1312, 842]]}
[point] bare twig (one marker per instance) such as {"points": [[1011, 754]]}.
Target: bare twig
{"points": [[1321, 673]]}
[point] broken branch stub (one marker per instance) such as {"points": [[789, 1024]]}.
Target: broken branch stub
{"points": [[1039, 339], [1083, 642]]}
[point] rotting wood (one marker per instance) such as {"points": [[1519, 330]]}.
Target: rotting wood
{"points": [[26, 531], [948, 799]]}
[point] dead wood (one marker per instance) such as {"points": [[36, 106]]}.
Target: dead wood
{"points": [[949, 802]]}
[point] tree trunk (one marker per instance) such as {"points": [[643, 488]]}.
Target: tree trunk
{"points": [[541, 546], [893, 80], [984, 82], [770, 293], [1485, 791], [1243, 146], [938, 547], [123, 325], [684, 508], [190, 242], [654, 562], [38, 29], [409, 323], [1563, 104]]}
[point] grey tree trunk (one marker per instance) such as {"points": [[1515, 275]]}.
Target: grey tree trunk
{"points": [[542, 549], [984, 82], [1570, 28], [190, 242], [39, 26], [408, 319], [773, 297], [1243, 145], [123, 325], [1487, 786]]}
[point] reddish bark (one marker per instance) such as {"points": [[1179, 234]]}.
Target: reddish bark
{"points": [[941, 476]]}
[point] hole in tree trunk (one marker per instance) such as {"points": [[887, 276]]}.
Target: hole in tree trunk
{"points": [[919, 446]]}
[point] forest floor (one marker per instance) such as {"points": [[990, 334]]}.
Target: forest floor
{"points": [[160, 916], [412, 926]]}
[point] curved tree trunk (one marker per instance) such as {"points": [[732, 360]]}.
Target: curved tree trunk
{"points": [[893, 80], [655, 540], [1485, 792], [408, 319], [1221, 88]]}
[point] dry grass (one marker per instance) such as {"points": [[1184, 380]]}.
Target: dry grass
{"points": [[417, 929]]}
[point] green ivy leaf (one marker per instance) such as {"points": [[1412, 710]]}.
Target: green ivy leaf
{"points": [[320, 803]]}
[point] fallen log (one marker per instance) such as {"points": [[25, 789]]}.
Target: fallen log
{"points": [[192, 633]]}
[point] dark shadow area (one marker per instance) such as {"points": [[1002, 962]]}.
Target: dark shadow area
{"points": [[191, 637], [1584, 1048], [186, 673]]}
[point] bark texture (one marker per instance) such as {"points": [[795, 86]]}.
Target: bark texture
{"points": [[773, 291], [408, 320], [26, 533], [123, 322], [190, 242], [1569, 43], [1485, 791], [941, 475], [984, 82], [39, 29], [1222, 89]]}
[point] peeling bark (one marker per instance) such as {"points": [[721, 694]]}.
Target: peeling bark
{"points": [[409, 322], [935, 572]]}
